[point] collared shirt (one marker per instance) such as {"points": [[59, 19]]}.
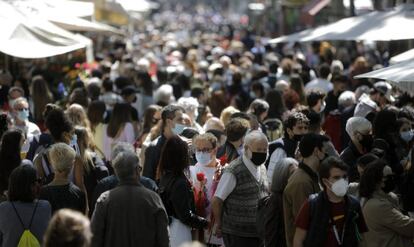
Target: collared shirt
{"points": [[228, 181]]}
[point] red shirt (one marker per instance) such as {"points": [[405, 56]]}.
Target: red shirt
{"points": [[338, 215]]}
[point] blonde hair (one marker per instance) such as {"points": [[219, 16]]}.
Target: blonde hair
{"points": [[77, 115], [62, 157], [226, 114]]}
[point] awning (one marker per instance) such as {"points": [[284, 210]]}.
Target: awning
{"points": [[402, 57], [25, 37], [374, 26]]}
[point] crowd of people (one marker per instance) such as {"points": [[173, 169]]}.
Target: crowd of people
{"points": [[210, 135]]}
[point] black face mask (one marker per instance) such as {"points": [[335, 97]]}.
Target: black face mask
{"points": [[258, 158], [297, 137], [390, 184], [366, 142]]}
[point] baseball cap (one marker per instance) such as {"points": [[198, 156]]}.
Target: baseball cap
{"points": [[385, 88], [128, 90]]}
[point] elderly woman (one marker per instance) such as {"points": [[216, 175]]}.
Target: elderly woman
{"points": [[388, 226], [22, 211], [61, 192], [275, 227]]}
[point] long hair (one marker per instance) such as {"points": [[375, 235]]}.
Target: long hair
{"points": [[96, 110], [9, 155], [85, 142], [41, 96], [371, 178], [174, 157], [296, 83], [276, 104], [76, 113], [121, 115], [149, 116]]}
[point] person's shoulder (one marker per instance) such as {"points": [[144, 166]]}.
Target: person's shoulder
{"points": [[103, 197], [234, 165], [43, 204], [75, 189]]}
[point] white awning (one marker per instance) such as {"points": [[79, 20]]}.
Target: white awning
{"points": [[375, 26], [25, 37]]}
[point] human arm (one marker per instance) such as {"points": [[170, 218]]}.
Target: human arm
{"points": [[275, 158], [217, 206], [392, 218], [300, 236], [161, 221], [181, 197], [98, 221]]}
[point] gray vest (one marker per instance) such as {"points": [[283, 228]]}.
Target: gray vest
{"points": [[240, 207]]}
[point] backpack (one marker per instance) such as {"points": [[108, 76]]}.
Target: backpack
{"points": [[27, 239]]}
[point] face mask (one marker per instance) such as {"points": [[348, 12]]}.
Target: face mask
{"points": [[203, 158], [366, 142], [323, 106], [407, 136], [23, 115], [297, 137], [258, 158], [178, 129], [340, 187], [389, 184]]}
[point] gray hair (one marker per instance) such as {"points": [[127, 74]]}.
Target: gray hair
{"points": [[125, 164], [254, 136], [121, 147], [346, 99], [18, 101], [62, 157], [357, 124], [282, 173]]}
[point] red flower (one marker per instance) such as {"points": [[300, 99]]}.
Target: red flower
{"points": [[201, 176]]}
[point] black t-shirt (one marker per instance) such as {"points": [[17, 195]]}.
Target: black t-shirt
{"points": [[64, 196]]}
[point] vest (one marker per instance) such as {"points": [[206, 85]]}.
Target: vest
{"points": [[320, 217], [240, 207]]}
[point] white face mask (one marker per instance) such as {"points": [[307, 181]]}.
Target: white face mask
{"points": [[340, 187]]}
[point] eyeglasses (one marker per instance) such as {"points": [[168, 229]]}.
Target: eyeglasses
{"points": [[205, 150]]}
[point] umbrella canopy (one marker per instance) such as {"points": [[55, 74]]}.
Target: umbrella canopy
{"points": [[408, 55], [25, 37], [401, 75], [374, 26]]}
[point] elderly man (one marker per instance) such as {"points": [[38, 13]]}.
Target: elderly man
{"points": [[242, 185], [129, 215], [112, 181], [20, 114], [61, 192], [359, 130]]}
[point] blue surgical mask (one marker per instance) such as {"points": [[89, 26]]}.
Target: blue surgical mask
{"points": [[23, 115], [178, 129], [203, 158], [407, 135]]}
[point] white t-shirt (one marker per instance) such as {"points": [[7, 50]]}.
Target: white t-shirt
{"points": [[209, 173], [228, 181]]}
